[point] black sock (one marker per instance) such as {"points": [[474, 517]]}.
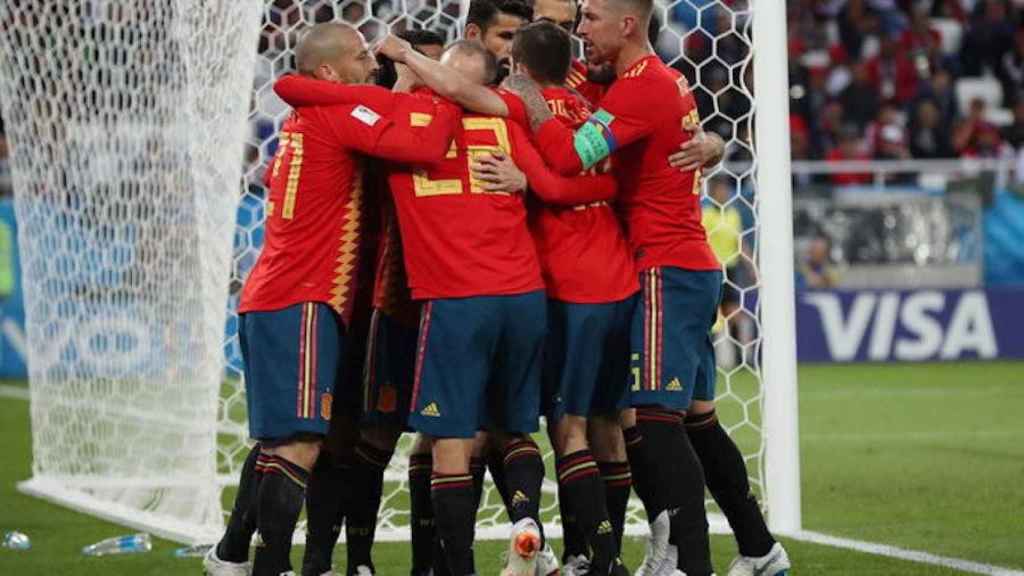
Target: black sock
{"points": [[281, 494], [366, 484], [496, 465], [234, 546], [680, 482], [421, 513], [455, 518], [478, 467], [573, 542], [579, 480], [324, 514], [617, 482], [646, 447], [726, 477], [524, 475]]}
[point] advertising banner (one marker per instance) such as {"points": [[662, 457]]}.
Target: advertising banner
{"points": [[909, 325]]}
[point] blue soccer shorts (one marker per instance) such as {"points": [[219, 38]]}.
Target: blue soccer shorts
{"points": [[293, 360], [586, 358], [672, 359], [389, 372], [478, 365]]}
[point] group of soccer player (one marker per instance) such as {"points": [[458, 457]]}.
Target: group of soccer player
{"points": [[497, 233]]}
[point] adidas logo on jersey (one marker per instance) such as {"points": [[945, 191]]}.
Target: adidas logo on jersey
{"points": [[431, 410], [605, 527], [674, 386]]}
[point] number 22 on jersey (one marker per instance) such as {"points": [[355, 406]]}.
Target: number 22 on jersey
{"points": [[425, 186]]}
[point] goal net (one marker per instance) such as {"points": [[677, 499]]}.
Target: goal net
{"points": [[132, 125], [126, 121]]}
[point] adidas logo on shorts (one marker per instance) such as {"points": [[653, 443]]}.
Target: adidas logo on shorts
{"points": [[431, 410], [674, 386]]}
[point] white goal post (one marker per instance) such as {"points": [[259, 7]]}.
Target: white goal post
{"points": [[140, 132]]}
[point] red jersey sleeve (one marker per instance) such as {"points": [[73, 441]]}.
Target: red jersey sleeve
{"points": [[296, 91], [552, 188], [630, 111], [516, 108], [405, 128]]}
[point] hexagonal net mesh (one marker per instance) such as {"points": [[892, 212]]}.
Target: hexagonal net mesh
{"points": [[126, 121], [126, 130]]}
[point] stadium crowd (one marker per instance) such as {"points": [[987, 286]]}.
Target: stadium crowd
{"points": [[894, 79]]}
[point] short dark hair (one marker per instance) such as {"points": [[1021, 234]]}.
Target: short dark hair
{"points": [[483, 13], [475, 49], [545, 49], [421, 37], [387, 75]]}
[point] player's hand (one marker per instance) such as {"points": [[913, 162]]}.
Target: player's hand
{"points": [[702, 150], [407, 79], [393, 47], [498, 173]]}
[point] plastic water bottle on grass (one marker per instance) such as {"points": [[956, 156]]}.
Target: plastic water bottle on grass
{"points": [[134, 544], [16, 541]]}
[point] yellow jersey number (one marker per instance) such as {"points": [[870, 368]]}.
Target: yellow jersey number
{"points": [[292, 140], [423, 186]]}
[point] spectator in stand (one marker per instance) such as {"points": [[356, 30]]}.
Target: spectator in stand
{"points": [[975, 137], [856, 22], [989, 35], [860, 99], [893, 73], [799, 149], [920, 36], [929, 133], [1014, 133], [1011, 70], [825, 135], [851, 147], [942, 94], [815, 269]]}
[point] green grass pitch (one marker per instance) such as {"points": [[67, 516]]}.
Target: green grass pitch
{"points": [[929, 457]]}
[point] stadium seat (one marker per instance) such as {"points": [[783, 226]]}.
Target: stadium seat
{"points": [[987, 88], [951, 32]]}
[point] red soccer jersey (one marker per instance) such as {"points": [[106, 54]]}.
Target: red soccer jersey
{"points": [[579, 80], [645, 116], [313, 225], [461, 241], [583, 254], [391, 293]]}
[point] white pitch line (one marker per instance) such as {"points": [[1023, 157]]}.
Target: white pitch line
{"points": [[16, 392], [905, 554]]}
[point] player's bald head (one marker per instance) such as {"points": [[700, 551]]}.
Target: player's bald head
{"points": [[473, 60], [337, 52], [323, 43]]}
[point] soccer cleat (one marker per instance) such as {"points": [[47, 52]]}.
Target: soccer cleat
{"points": [[547, 562], [362, 570], [576, 566], [657, 560], [523, 549], [214, 566], [774, 563]]}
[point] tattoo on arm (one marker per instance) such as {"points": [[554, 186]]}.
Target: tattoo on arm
{"points": [[536, 107]]}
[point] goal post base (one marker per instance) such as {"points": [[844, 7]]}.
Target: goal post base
{"points": [[158, 525]]}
